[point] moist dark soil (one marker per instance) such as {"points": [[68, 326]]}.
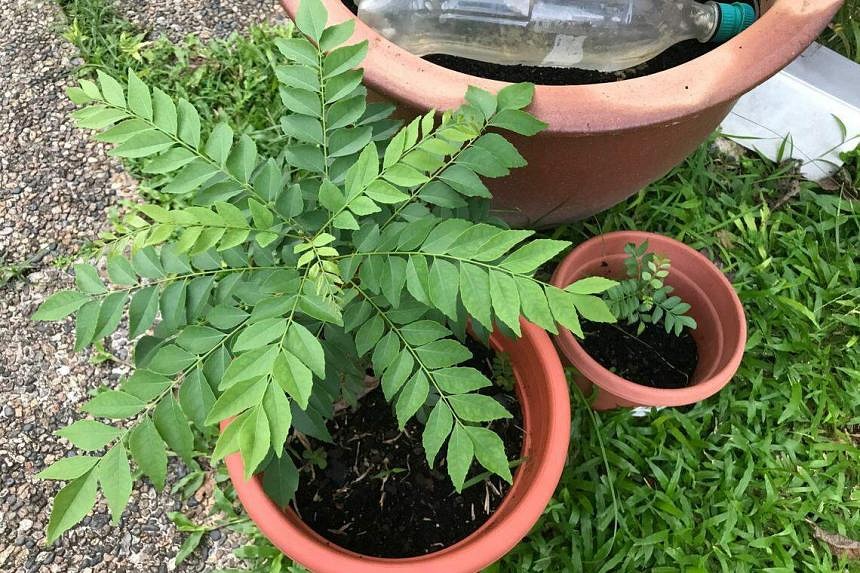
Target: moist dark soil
{"points": [[377, 496], [654, 358], [676, 55]]}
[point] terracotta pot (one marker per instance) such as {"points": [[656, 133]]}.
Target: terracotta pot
{"points": [[605, 141], [720, 336], [543, 395]]}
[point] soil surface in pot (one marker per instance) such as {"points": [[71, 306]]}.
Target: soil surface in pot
{"points": [[377, 495], [654, 358], [676, 55]]}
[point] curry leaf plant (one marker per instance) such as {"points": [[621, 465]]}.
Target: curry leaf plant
{"points": [[273, 283], [643, 298]]}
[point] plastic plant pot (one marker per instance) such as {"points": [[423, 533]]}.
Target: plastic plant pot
{"points": [[604, 141], [720, 336], [543, 395]]}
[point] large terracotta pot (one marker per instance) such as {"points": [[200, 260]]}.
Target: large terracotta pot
{"points": [[604, 141], [543, 395], [720, 336]]}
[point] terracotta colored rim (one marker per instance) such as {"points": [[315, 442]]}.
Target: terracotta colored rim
{"points": [[543, 394], [722, 75], [709, 283]]}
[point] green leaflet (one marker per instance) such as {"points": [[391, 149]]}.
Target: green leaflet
{"points": [[237, 398], [443, 353], [71, 504], [277, 409], [142, 310], [475, 293], [397, 373], [423, 332], [412, 397], [89, 435], [87, 279], [443, 287], [438, 428], [459, 456], [254, 440], [60, 305], [114, 475], [172, 425], [171, 359], [477, 408], [368, 334], [114, 404], [68, 468], [85, 324], [281, 480], [120, 271], [196, 397], [259, 334], [460, 380], [147, 450], [293, 377], [110, 314], [490, 451], [305, 345], [146, 385], [529, 257]]}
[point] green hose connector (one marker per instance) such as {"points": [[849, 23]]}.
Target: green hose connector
{"points": [[734, 19]]}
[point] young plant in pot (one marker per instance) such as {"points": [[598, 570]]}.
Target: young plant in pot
{"points": [[681, 331], [280, 281]]}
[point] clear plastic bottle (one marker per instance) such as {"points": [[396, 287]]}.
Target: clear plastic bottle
{"points": [[604, 35]]}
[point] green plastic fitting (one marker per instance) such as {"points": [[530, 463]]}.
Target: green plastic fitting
{"points": [[734, 19]]}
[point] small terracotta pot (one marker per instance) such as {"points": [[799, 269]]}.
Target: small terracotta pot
{"points": [[720, 336], [604, 141], [543, 394]]}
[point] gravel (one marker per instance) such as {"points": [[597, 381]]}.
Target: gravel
{"points": [[55, 186], [56, 189], [204, 18]]}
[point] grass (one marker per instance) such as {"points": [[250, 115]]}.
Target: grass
{"points": [[732, 484], [729, 484], [232, 76], [843, 34]]}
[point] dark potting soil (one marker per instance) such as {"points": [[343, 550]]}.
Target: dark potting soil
{"points": [[654, 358], [377, 496], [676, 55]]}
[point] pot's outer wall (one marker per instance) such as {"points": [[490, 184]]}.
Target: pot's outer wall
{"points": [[543, 394], [604, 141]]}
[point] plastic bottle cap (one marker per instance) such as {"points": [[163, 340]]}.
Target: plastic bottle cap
{"points": [[734, 19]]}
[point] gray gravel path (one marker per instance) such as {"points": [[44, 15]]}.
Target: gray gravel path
{"points": [[56, 188], [204, 18]]}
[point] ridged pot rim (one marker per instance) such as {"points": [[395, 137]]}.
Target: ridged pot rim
{"points": [[513, 519], [722, 75], [717, 286]]}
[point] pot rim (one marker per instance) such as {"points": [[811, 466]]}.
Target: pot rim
{"points": [[784, 30], [285, 528], [719, 285]]}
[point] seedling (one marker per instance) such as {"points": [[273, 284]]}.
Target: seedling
{"points": [[644, 297]]}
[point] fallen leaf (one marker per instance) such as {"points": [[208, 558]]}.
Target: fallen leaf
{"points": [[370, 382], [726, 239], [206, 489], [829, 184], [840, 545]]}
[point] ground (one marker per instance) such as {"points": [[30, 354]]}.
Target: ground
{"points": [[56, 189], [736, 483]]}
